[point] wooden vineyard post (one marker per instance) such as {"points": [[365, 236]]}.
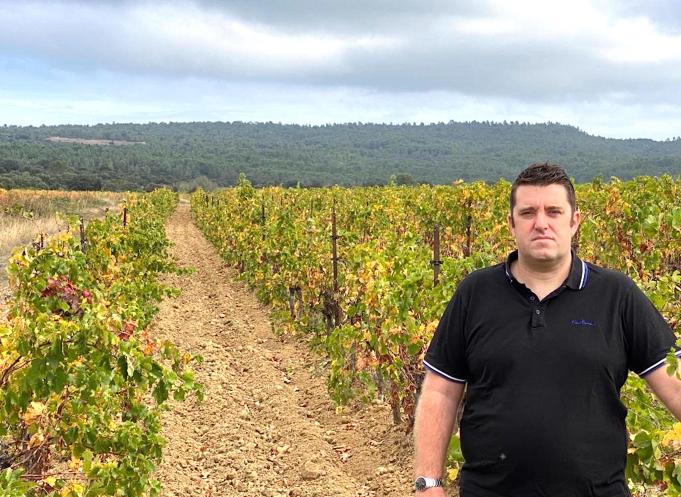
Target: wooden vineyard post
{"points": [[292, 302], [334, 251], [83, 241], [125, 216], [295, 296], [38, 245], [365, 232], [332, 311], [263, 218], [469, 221], [436, 262]]}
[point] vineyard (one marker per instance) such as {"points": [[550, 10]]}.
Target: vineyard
{"points": [[365, 273], [361, 274], [82, 381]]}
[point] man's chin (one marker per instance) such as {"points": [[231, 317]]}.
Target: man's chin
{"points": [[543, 256]]}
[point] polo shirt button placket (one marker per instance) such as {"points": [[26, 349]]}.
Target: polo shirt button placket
{"points": [[537, 318]]}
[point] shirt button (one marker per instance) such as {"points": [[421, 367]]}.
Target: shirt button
{"points": [[532, 298], [538, 312]]}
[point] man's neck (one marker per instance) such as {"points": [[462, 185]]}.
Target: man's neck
{"points": [[541, 278]]}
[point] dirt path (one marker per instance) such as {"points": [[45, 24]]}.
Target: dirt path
{"points": [[267, 426]]}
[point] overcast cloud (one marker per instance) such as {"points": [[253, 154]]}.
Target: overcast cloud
{"points": [[611, 68]]}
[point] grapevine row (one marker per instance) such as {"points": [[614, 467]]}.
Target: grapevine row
{"points": [[82, 380]]}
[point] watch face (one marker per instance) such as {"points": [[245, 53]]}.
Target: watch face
{"points": [[420, 484]]}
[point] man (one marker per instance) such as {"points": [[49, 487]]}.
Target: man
{"points": [[544, 343]]}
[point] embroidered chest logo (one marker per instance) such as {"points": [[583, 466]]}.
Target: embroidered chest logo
{"points": [[582, 322]]}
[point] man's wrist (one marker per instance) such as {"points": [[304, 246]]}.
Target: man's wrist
{"points": [[422, 483], [431, 492]]}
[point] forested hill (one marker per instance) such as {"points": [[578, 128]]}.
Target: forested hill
{"points": [[183, 155]]}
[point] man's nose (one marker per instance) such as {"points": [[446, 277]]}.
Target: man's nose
{"points": [[541, 221]]}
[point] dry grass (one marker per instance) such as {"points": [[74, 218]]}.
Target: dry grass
{"points": [[25, 214], [44, 203], [19, 232]]}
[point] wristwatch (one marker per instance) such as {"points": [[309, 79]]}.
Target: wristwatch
{"points": [[423, 483]]}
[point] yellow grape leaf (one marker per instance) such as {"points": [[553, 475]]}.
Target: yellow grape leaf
{"points": [[673, 435], [51, 481], [78, 362], [452, 473], [35, 410], [73, 489], [75, 463]]}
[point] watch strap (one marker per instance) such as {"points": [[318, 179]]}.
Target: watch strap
{"points": [[423, 482]]}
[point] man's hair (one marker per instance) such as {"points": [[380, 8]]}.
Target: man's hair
{"points": [[543, 174]]}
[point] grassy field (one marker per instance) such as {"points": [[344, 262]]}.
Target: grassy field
{"points": [[25, 214]]}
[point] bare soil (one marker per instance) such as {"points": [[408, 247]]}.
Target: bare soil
{"points": [[267, 426], [89, 141]]}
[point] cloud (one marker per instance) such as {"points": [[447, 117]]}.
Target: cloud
{"points": [[539, 50], [432, 57], [172, 40]]}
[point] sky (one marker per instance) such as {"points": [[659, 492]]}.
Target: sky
{"points": [[612, 68]]}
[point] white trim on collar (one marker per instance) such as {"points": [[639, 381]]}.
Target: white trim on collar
{"points": [[585, 275]]}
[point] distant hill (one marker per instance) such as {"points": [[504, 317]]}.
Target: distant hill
{"points": [[184, 155]]}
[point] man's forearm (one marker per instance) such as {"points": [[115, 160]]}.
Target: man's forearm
{"points": [[435, 418], [667, 388]]}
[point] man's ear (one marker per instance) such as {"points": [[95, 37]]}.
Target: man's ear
{"points": [[511, 224], [574, 222]]}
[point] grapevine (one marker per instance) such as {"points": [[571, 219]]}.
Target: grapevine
{"points": [[82, 381]]}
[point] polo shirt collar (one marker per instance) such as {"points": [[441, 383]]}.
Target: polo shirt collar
{"points": [[579, 271]]}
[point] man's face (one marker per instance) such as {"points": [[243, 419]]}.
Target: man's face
{"points": [[542, 222]]}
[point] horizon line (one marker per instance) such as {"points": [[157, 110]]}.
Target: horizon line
{"points": [[347, 123]]}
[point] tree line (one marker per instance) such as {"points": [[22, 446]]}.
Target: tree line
{"points": [[185, 156]]}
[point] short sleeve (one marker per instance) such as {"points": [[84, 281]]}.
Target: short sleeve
{"points": [[446, 352], [648, 337]]}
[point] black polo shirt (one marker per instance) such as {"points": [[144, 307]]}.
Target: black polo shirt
{"points": [[543, 416]]}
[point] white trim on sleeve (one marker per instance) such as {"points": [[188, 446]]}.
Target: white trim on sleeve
{"points": [[429, 366], [657, 364]]}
